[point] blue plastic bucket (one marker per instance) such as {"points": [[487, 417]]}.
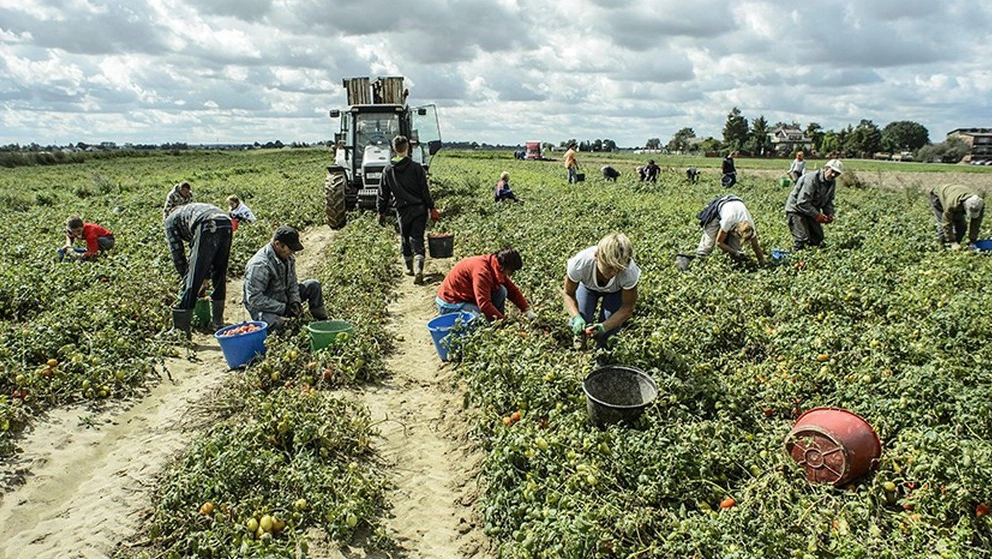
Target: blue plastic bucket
{"points": [[240, 349], [446, 328], [983, 245], [780, 255]]}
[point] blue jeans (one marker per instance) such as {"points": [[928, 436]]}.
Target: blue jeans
{"points": [[498, 297], [572, 172], [588, 299]]}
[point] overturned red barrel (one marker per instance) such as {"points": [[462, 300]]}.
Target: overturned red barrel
{"points": [[833, 445]]}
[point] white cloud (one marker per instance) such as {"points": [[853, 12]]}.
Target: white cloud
{"points": [[500, 70]]}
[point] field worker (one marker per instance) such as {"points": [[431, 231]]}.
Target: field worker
{"points": [[406, 182], [609, 173], [811, 204], [98, 239], [726, 224], [605, 272], [239, 211], [180, 194], [798, 167], [482, 284], [958, 210], [729, 169], [271, 291], [207, 229], [692, 175], [503, 190], [572, 164], [649, 172]]}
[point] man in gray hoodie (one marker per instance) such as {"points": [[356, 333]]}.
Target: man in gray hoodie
{"points": [[406, 182], [271, 291], [811, 204]]}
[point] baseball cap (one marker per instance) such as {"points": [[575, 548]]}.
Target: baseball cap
{"points": [[288, 236], [836, 165], [973, 206]]}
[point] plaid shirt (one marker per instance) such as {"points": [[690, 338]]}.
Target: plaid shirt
{"points": [[181, 226], [174, 200]]}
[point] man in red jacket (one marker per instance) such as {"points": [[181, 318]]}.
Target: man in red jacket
{"points": [[482, 284], [98, 239]]}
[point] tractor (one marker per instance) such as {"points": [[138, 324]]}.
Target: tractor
{"points": [[363, 147]]}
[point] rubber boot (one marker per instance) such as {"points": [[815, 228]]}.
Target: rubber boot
{"points": [[418, 269], [182, 320], [217, 315], [409, 265], [319, 313]]}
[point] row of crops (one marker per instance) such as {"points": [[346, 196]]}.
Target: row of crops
{"points": [[879, 322]]}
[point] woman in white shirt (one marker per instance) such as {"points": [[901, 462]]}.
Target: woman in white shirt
{"points": [[798, 167], [605, 272], [239, 211]]}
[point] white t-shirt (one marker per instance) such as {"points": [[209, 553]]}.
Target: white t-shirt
{"points": [[732, 213], [581, 268]]}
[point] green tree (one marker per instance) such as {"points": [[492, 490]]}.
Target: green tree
{"points": [[830, 142], [653, 143], [904, 135], [815, 132], [866, 139], [735, 131], [680, 141], [609, 145], [757, 142], [951, 150]]}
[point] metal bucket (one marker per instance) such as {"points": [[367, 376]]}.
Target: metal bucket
{"points": [[833, 445], [617, 393]]}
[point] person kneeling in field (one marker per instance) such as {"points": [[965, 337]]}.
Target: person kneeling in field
{"points": [[604, 272], [503, 190], [98, 240], [271, 291], [958, 210], [482, 284], [728, 225], [609, 173]]}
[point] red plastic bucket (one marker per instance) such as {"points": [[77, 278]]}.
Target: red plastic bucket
{"points": [[833, 445]]}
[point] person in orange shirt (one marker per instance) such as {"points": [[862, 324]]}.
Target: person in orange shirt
{"points": [[571, 164], [482, 284], [98, 239]]}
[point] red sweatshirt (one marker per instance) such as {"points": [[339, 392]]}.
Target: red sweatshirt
{"points": [[91, 232], [473, 280]]}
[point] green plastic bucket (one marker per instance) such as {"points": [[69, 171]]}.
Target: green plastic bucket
{"points": [[201, 313], [785, 181], [324, 333]]}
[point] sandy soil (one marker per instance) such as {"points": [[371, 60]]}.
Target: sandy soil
{"points": [[85, 477]]}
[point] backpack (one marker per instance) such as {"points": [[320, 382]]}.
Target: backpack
{"points": [[712, 209]]}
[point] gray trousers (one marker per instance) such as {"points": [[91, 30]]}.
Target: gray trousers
{"points": [[805, 230], [310, 292], [708, 240], [959, 225]]}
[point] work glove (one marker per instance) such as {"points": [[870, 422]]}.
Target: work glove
{"points": [[294, 309], [577, 324], [531, 315], [595, 329], [830, 218], [435, 215], [820, 218]]}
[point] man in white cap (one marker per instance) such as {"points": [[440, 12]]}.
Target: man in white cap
{"points": [[811, 204], [958, 210]]}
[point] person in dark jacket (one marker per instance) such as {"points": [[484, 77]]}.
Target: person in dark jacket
{"points": [[811, 204], [207, 229], [406, 182], [271, 291], [650, 172], [729, 169], [958, 211]]}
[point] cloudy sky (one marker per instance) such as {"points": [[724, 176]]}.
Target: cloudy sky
{"points": [[500, 71]]}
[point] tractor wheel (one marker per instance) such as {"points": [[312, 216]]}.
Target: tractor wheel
{"points": [[334, 199]]}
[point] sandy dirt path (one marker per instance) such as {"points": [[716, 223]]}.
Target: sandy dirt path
{"points": [[86, 477], [422, 436]]}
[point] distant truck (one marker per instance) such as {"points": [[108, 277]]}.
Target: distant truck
{"points": [[532, 150]]}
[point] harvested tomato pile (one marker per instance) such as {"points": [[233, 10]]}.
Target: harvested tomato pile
{"points": [[243, 329]]}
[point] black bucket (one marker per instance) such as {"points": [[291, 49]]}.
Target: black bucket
{"points": [[615, 394], [441, 245]]}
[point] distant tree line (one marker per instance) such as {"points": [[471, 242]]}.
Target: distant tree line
{"points": [[864, 140]]}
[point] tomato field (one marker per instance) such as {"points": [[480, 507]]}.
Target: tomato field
{"points": [[880, 322]]}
